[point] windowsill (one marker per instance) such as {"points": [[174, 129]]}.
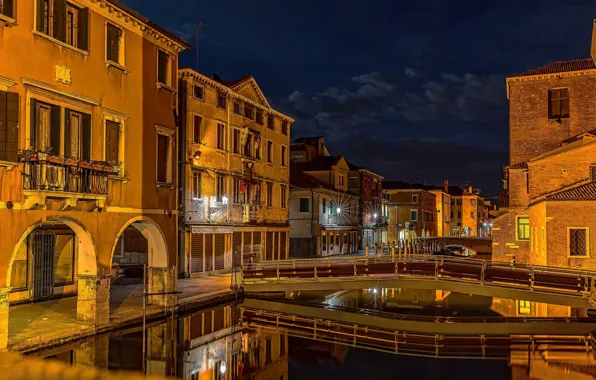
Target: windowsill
{"points": [[116, 66], [200, 99], [166, 87], [164, 184], [558, 118], [119, 178], [58, 42], [8, 20], [8, 165], [578, 257]]}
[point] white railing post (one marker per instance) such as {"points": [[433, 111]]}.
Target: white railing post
{"points": [[315, 271], [277, 271]]}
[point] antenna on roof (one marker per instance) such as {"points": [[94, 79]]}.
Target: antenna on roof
{"points": [[200, 26]]}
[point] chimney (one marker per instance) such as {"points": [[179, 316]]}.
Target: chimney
{"points": [[593, 45], [470, 189], [446, 186]]}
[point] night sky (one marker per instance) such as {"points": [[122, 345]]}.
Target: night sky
{"points": [[413, 90]]}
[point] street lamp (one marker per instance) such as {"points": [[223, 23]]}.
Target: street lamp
{"points": [[375, 216], [338, 210]]}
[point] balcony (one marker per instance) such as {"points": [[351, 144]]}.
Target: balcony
{"points": [[206, 210], [252, 212]]}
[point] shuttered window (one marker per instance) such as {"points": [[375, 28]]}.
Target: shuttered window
{"points": [[73, 134], [114, 41], [7, 8], [220, 251], [196, 253], [162, 158], [208, 252], [578, 242], [269, 246], [163, 67], [61, 20], [9, 126], [237, 249], [45, 127], [112, 141]]}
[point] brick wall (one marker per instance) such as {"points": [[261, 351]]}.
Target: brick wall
{"points": [[518, 189], [530, 130], [505, 244]]}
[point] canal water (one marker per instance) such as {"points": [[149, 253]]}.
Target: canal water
{"points": [[236, 341]]}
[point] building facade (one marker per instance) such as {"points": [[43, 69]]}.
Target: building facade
{"points": [[372, 209], [549, 189], [443, 206], [467, 211], [87, 142], [323, 214], [234, 172], [415, 211]]}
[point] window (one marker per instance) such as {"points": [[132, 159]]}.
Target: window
{"points": [[459, 214], [163, 67], [269, 151], [47, 23], [284, 201], [220, 188], [523, 228], [524, 307], [221, 136], [73, 134], [270, 122], [558, 103], [7, 8], [45, 126], [163, 158], [284, 127], [236, 141], [324, 205], [237, 108], [269, 194], [196, 185], [114, 44], [592, 167], [577, 240], [473, 202], [259, 117], [283, 155], [196, 129], [458, 202], [198, 92], [268, 351], [413, 215], [248, 111], [414, 199], [451, 214], [341, 180], [221, 100], [472, 215], [113, 141], [72, 18], [9, 125], [257, 147], [236, 194], [282, 347]]}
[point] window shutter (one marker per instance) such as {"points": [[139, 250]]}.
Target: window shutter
{"points": [[83, 29], [40, 15], [33, 124], [12, 126], [3, 126], [86, 143], [60, 20], [112, 141], [67, 152], [55, 130]]}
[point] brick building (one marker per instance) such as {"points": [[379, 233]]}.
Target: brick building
{"points": [[443, 206], [549, 185], [467, 211]]}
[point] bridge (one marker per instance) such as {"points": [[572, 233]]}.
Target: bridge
{"points": [[462, 275], [482, 246], [366, 331]]}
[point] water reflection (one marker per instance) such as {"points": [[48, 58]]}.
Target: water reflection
{"points": [[240, 342]]}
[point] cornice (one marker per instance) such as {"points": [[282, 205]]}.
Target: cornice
{"points": [[565, 74]]}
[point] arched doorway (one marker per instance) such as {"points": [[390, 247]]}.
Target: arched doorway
{"points": [[49, 258], [140, 252]]}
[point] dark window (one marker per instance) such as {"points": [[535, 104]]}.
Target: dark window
{"points": [[523, 228], [270, 122], [283, 157], [324, 205], [269, 194], [196, 185], [196, 128], [304, 204], [284, 127], [284, 191], [236, 194], [282, 347], [220, 190], [248, 145], [459, 214], [458, 202], [221, 100], [259, 117], [9, 126], [413, 215], [7, 8], [72, 134], [221, 136], [198, 92], [45, 127], [113, 141], [558, 103], [269, 151], [578, 238], [257, 148], [236, 141], [248, 111], [114, 39], [237, 108], [268, 351], [163, 67], [162, 158]]}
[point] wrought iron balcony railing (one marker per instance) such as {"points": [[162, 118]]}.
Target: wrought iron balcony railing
{"points": [[42, 172]]}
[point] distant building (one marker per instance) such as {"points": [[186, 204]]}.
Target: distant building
{"points": [[307, 148], [443, 206], [467, 210], [323, 214], [414, 207]]}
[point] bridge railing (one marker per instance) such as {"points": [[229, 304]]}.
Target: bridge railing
{"points": [[482, 272]]}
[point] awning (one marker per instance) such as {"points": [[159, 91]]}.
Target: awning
{"points": [[211, 230]]}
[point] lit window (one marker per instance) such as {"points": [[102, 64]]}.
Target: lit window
{"points": [[524, 307], [523, 228]]}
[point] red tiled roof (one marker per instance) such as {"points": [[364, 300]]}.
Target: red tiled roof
{"points": [[233, 83], [585, 192], [562, 66], [306, 181], [578, 137]]}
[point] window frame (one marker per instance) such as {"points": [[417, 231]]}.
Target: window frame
{"points": [[270, 151], [560, 101], [249, 111], [9, 19], [269, 190], [237, 104], [75, 31], [284, 196], [414, 199], [220, 188], [224, 105], [197, 130], [284, 127], [236, 198], [587, 243], [283, 153], [236, 148], [524, 305], [168, 68], [412, 213], [194, 91], [121, 62], [220, 136], [196, 185], [259, 119], [517, 237], [271, 122], [167, 133]]}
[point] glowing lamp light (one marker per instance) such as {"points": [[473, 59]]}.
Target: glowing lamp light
{"points": [[375, 216], [224, 200], [375, 291], [223, 368], [484, 224], [197, 155], [338, 210]]}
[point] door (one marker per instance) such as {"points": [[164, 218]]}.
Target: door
{"points": [[43, 264]]}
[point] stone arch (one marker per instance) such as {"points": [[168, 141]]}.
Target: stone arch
{"points": [[87, 257], [157, 247]]}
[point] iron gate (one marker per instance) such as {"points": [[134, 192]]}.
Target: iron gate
{"points": [[43, 264]]}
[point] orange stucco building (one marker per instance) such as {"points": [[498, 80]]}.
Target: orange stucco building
{"points": [[87, 149]]}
